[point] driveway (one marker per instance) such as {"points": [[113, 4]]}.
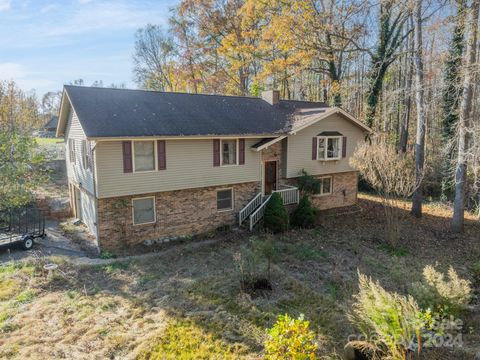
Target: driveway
{"points": [[53, 244]]}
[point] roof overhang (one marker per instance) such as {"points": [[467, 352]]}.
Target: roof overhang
{"points": [[265, 144], [332, 111], [65, 106]]}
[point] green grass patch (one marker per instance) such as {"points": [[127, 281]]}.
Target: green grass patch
{"points": [[25, 296], [48, 141], [393, 250], [115, 267], [306, 252], [187, 340], [8, 289], [145, 279]]}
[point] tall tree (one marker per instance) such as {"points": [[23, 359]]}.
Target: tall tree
{"points": [[451, 95], [465, 120], [419, 100], [154, 54], [21, 167], [392, 18]]}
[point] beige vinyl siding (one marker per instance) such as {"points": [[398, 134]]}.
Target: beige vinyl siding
{"points": [[89, 212], [189, 165], [75, 171], [299, 149]]}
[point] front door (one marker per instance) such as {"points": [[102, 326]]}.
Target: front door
{"points": [[270, 175]]}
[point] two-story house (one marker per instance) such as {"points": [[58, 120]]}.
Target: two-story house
{"points": [[147, 165]]}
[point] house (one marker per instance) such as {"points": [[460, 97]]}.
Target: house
{"points": [[51, 127], [152, 166]]}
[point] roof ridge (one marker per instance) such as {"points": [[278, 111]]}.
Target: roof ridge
{"points": [[163, 92]]}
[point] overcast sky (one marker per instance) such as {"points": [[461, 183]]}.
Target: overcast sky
{"points": [[46, 43]]}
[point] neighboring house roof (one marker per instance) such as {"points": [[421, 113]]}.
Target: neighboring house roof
{"points": [[52, 123], [117, 113]]}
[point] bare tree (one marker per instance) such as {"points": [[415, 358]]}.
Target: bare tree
{"points": [[465, 124], [154, 53], [419, 100], [392, 176]]}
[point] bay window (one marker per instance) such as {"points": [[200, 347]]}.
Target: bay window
{"points": [[329, 147]]}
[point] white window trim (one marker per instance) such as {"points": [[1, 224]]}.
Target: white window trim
{"points": [[155, 160], [236, 152], [321, 186], [84, 155], [71, 151], [154, 210], [325, 138], [233, 200]]}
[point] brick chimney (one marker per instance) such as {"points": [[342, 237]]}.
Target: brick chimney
{"points": [[271, 96]]}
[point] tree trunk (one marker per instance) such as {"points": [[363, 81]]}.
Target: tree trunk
{"points": [[408, 95], [464, 120], [419, 100], [451, 95]]}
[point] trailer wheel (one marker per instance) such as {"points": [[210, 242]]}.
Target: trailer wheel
{"points": [[27, 243]]}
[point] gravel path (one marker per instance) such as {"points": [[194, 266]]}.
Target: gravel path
{"points": [[53, 244]]}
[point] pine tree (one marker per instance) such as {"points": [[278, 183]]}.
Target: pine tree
{"points": [[304, 214], [275, 217]]}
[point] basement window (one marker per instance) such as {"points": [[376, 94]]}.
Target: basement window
{"points": [[325, 185], [143, 210], [225, 200]]}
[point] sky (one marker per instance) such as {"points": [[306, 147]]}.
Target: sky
{"points": [[45, 43]]}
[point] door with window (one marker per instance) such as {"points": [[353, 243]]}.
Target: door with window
{"points": [[270, 177]]}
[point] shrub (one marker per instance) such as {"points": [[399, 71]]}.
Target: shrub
{"points": [[254, 263], [388, 321], [308, 184], [290, 339], [444, 297], [275, 217], [304, 214]]}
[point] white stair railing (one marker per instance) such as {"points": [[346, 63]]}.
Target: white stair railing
{"points": [[289, 194], [258, 214], [249, 208]]}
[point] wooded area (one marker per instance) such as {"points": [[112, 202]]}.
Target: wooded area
{"points": [[408, 69]]}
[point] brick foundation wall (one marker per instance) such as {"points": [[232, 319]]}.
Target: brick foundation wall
{"points": [[179, 213], [347, 181]]}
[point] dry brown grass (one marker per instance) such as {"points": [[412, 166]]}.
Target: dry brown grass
{"points": [[141, 308]]}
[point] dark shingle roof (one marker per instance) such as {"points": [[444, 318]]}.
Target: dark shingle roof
{"points": [[52, 123], [107, 112]]}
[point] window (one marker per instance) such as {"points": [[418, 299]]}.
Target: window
{"points": [[71, 150], [86, 155], [325, 185], [225, 200], [329, 147], [229, 152], [143, 210], [144, 155]]}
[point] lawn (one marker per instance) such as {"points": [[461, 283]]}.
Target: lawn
{"points": [[186, 302], [48, 141]]}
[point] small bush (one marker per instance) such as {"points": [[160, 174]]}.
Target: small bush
{"points": [[304, 214], [106, 255], [444, 297], [476, 270], [308, 184], [290, 339], [254, 265], [388, 321], [275, 217]]}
